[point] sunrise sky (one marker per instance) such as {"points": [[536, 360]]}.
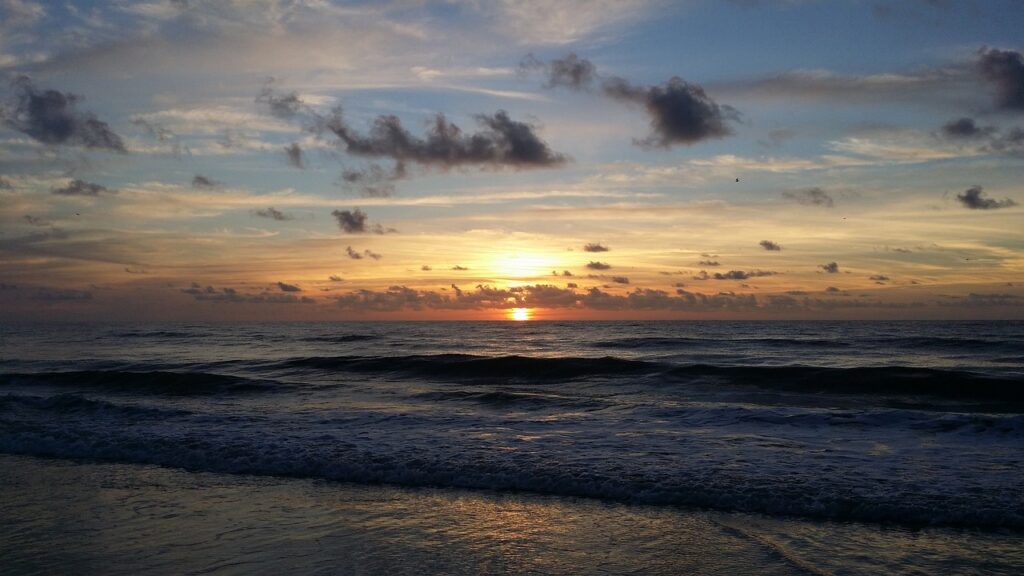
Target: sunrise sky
{"points": [[309, 159]]}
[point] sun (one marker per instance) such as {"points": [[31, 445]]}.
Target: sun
{"points": [[520, 314]]}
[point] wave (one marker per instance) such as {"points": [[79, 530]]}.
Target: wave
{"points": [[506, 399], [672, 342], [340, 339], [154, 382], [89, 429], [465, 366]]}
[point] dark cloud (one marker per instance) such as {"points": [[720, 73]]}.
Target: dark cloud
{"points": [[770, 246], [426, 268], [354, 222], [502, 142], [374, 181], [810, 197], [965, 129], [200, 182], [61, 295], [879, 278], [52, 117], [280, 105], [288, 287], [459, 268], [1004, 69], [83, 188], [741, 275], [353, 254], [831, 267], [832, 289], [36, 220], [709, 263], [232, 296], [295, 155], [570, 72], [975, 299], [973, 198], [598, 265], [595, 247], [680, 112], [620, 279], [335, 278], [273, 214]]}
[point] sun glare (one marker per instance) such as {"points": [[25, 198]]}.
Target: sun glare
{"points": [[520, 314]]}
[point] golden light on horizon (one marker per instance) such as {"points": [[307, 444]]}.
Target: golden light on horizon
{"points": [[520, 314]]}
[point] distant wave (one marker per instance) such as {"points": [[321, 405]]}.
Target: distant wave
{"points": [[950, 343], [155, 382], [478, 367], [341, 338]]}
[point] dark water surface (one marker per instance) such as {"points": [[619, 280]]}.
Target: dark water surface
{"points": [[906, 425]]}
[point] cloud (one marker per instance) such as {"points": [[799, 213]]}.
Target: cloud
{"points": [[598, 265], [36, 220], [770, 246], [680, 112], [502, 142], [879, 278], [711, 263], [595, 247], [570, 72], [199, 182], [374, 181], [5, 184], [973, 198], [288, 287], [61, 295], [459, 268], [1004, 69], [82, 188], [335, 278], [965, 129], [353, 254], [735, 275], [232, 296], [354, 222], [52, 117], [831, 267], [273, 214], [620, 279], [810, 197], [426, 268], [295, 155], [280, 105]]}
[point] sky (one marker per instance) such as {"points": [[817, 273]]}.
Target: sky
{"points": [[543, 159]]}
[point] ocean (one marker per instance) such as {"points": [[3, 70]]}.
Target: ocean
{"points": [[418, 447]]}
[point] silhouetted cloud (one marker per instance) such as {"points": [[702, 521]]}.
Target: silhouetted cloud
{"points": [[426, 268], [83, 188], [620, 279], [810, 197], [742, 275], [570, 72], [279, 105], [711, 263], [295, 155], [973, 198], [353, 254], [273, 214], [770, 246], [52, 117], [831, 267], [680, 112], [288, 287], [232, 296], [879, 278], [1004, 69], [502, 142], [965, 129], [459, 268], [374, 181], [598, 265], [335, 278], [354, 222], [60, 295], [595, 247], [200, 182]]}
